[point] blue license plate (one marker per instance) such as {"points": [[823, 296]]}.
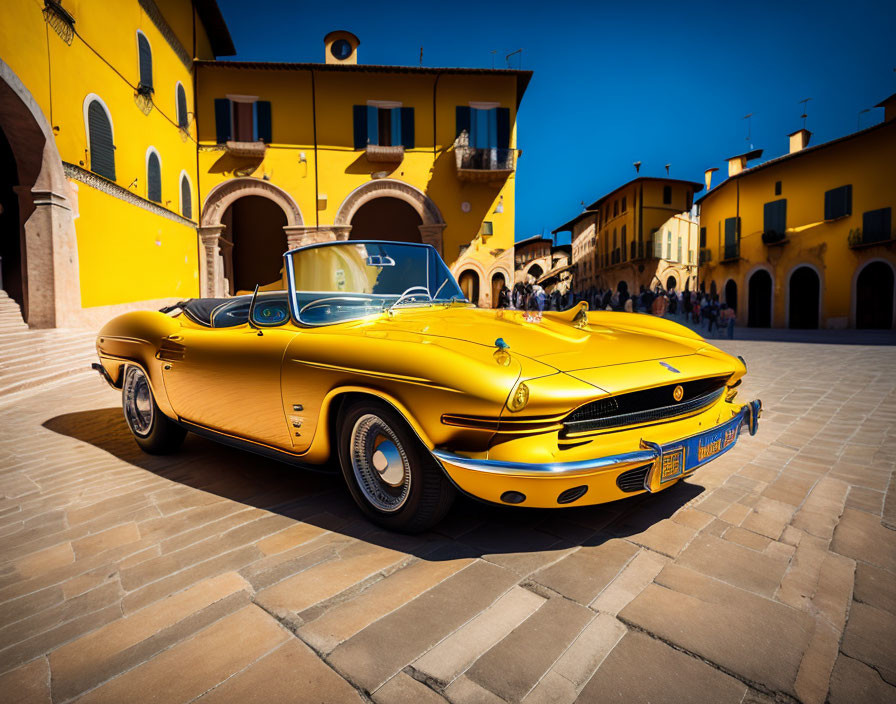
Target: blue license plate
{"points": [[684, 456]]}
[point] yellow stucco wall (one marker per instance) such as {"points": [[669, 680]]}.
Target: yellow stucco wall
{"points": [[867, 161]]}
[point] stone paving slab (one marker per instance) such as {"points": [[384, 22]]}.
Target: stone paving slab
{"points": [[216, 576]]}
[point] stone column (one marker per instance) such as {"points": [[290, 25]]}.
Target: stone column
{"points": [[211, 266], [302, 235], [432, 234]]}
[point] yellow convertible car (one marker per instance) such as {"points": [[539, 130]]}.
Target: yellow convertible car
{"points": [[370, 353]]}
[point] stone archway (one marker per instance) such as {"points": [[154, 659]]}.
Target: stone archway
{"points": [[432, 223], [217, 247], [51, 292]]}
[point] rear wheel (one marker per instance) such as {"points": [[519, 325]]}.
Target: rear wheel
{"points": [[154, 432], [391, 476]]}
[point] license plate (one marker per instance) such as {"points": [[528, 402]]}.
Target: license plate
{"points": [[684, 456]]}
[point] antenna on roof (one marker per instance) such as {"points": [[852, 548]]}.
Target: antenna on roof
{"points": [[749, 118], [637, 166], [507, 58], [667, 169], [805, 111]]}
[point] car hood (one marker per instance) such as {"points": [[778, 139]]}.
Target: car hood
{"points": [[608, 339]]}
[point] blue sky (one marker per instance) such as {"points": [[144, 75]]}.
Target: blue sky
{"points": [[656, 82]]}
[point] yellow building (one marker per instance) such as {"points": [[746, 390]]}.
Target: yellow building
{"points": [[806, 240], [136, 170], [640, 234]]}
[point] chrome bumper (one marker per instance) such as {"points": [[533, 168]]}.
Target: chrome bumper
{"points": [[651, 453]]}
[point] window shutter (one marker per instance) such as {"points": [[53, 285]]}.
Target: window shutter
{"points": [[503, 128], [407, 127], [263, 121], [102, 151], [154, 178], [373, 125], [463, 119], [838, 202], [360, 126], [775, 216], [181, 106], [145, 55], [186, 198], [222, 120], [395, 136], [731, 231]]}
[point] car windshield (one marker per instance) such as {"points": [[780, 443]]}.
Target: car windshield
{"points": [[339, 281]]}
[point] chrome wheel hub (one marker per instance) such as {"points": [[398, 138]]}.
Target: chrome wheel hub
{"points": [[380, 464], [138, 409]]}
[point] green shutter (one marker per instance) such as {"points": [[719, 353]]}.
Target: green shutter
{"points": [[186, 198], [407, 127], [263, 121], [154, 178], [222, 120], [102, 151], [181, 106], [144, 53]]}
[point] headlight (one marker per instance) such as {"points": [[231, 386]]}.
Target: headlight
{"points": [[519, 398]]}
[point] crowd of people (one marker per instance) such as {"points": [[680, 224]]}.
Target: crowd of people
{"points": [[698, 308]]}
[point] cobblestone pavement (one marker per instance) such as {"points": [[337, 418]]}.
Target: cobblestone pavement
{"points": [[217, 576]]}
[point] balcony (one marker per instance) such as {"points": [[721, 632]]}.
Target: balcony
{"points": [[705, 256], [859, 238], [248, 149], [483, 165], [773, 238], [388, 155], [731, 252]]}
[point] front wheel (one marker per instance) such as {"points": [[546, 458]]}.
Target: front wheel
{"points": [[154, 432], [390, 474]]}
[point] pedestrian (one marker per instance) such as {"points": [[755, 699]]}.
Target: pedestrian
{"points": [[504, 297], [659, 306], [728, 317]]}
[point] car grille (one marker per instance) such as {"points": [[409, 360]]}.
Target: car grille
{"points": [[645, 406], [633, 479]]}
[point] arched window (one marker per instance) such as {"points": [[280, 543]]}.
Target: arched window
{"points": [[144, 58], [153, 176], [181, 100], [186, 196], [99, 138]]}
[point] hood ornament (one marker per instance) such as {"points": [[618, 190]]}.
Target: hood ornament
{"points": [[581, 318], [502, 354], [501, 345]]}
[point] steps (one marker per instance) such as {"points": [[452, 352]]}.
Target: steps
{"points": [[33, 359]]}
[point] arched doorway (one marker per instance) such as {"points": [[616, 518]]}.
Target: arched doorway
{"points": [[731, 294], [254, 225], [469, 284], [874, 297], [386, 218], [10, 230], [535, 271], [498, 283], [670, 283], [759, 300], [805, 292]]}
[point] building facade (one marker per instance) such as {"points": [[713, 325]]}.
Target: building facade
{"points": [[138, 170], [806, 240], [640, 234]]}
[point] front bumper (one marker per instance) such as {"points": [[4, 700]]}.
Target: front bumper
{"points": [[590, 481]]}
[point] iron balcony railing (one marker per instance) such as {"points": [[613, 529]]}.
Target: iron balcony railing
{"points": [[484, 159]]}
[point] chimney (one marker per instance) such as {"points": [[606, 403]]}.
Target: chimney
{"points": [[707, 177], [738, 163], [799, 140], [889, 106]]}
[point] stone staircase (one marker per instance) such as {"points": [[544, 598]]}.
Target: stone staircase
{"points": [[33, 359]]}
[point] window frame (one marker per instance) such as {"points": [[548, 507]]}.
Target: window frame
{"points": [[150, 150], [140, 83], [180, 193], [90, 98], [180, 86]]}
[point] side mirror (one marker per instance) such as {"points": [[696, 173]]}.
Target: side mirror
{"points": [[252, 312]]}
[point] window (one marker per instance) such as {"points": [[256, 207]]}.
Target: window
{"points": [[99, 138], [243, 119], [689, 198], [732, 238], [186, 196], [775, 217], [667, 195], [615, 208], [622, 232], [144, 60], [487, 128], [623, 204], [777, 188], [838, 202], [153, 176], [181, 103], [679, 251], [668, 245], [702, 237], [876, 225], [385, 127]]}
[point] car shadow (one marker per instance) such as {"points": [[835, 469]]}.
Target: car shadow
{"points": [[472, 528]]}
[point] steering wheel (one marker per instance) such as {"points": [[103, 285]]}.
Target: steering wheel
{"points": [[326, 301], [407, 294]]}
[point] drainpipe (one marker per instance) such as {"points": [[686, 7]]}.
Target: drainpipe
{"points": [[435, 88], [316, 169]]}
